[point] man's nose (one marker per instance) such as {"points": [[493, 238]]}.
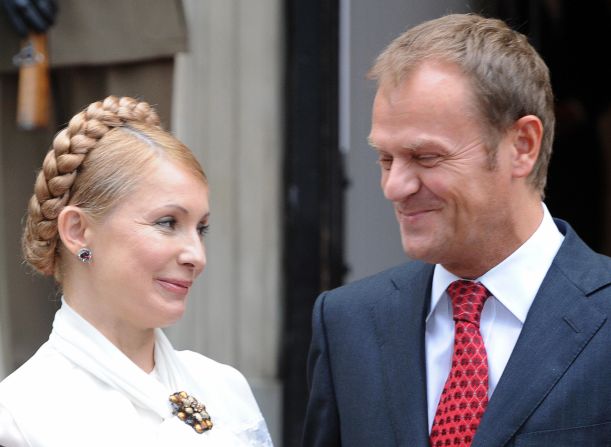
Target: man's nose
{"points": [[400, 181]]}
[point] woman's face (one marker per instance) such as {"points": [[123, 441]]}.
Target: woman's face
{"points": [[148, 251]]}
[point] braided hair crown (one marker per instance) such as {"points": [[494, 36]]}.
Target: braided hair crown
{"points": [[53, 188]]}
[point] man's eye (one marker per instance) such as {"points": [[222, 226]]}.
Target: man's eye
{"points": [[385, 163], [427, 160]]}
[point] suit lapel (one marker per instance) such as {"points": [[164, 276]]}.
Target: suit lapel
{"points": [[559, 325], [399, 322]]}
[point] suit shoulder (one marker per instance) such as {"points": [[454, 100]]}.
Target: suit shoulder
{"points": [[588, 270], [373, 286]]}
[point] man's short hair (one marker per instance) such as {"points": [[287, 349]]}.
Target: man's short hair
{"points": [[508, 77]]}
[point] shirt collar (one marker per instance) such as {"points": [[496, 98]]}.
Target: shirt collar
{"points": [[516, 280]]}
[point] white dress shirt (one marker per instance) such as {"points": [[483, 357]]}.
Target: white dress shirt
{"points": [[513, 284]]}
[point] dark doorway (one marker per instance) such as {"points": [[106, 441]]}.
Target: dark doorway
{"points": [[313, 184], [574, 40]]}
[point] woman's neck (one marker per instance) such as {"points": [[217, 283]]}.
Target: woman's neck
{"points": [[137, 344]]}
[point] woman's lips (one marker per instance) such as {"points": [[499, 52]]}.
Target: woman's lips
{"points": [[177, 286]]}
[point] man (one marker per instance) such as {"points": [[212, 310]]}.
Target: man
{"points": [[497, 333]]}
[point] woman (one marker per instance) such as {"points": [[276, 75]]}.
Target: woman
{"points": [[118, 216]]}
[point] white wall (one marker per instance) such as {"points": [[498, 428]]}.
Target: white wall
{"points": [[227, 109], [372, 235]]}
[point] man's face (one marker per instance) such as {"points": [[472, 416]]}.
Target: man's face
{"points": [[451, 204]]}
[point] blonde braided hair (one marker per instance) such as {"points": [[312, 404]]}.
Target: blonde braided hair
{"points": [[108, 143]]}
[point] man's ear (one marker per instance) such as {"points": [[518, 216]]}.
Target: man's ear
{"points": [[527, 134], [73, 227]]}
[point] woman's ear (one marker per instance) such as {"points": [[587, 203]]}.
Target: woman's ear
{"points": [[527, 134], [73, 227]]}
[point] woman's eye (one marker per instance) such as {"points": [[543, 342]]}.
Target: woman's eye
{"points": [[167, 222], [202, 229]]}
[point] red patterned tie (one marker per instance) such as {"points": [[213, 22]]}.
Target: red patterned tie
{"points": [[465, 393]]}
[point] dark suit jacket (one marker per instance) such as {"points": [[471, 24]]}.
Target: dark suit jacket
{"points": [[367, 375]]}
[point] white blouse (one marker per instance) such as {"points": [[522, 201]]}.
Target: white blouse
{"points": [[79, 389]]}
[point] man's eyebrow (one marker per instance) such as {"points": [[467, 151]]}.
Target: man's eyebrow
{"points": [[413, 147]]}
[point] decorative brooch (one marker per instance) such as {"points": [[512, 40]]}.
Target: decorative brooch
{"points": [[190, 411]]}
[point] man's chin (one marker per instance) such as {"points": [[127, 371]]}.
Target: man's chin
{"points": [[415, 252]]}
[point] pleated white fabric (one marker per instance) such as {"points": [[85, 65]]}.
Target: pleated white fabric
{"points": [[79, 389]]}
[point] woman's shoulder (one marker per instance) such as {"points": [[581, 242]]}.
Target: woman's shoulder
{"points": [[228, 397], [222, 385], [40, 370], [220, 373], [43, 377], [38, 383]]}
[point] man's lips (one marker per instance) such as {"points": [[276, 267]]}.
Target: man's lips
{"points": [[412, 213]]}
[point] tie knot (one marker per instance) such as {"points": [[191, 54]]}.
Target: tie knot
{"points": [[468, 300]]}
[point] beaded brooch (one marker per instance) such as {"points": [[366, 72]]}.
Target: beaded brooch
{"points": [[190, 411]]}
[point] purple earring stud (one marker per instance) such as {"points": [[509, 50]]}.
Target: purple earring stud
{"points": [[85, 254]]}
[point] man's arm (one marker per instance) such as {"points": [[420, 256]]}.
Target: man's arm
{"points": [[321, 428]]}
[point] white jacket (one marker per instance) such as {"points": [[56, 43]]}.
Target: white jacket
{"points": [[79, 389]]}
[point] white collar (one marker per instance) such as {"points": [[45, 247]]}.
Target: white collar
{"points": [[516, 280], [237, 422], [78, 340]]}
